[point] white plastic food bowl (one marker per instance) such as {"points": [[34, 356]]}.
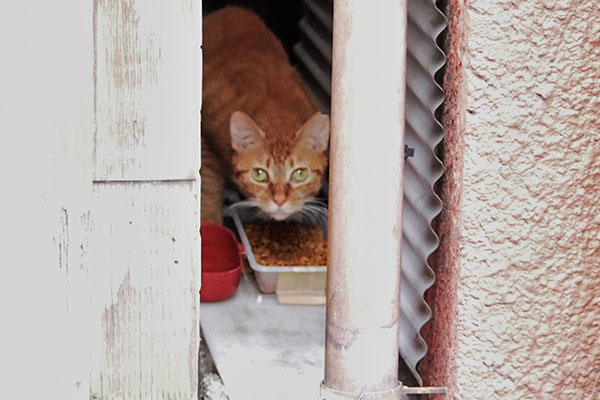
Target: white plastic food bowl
{"points": [[266, 275]]}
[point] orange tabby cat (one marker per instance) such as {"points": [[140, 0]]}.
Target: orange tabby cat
{"points": [[260, 125]]}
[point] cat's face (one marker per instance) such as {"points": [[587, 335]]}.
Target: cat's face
{"points": [[279, 176]]}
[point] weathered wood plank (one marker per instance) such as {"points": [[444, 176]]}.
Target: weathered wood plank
{"points": [[143, 258], [80, 302], [147, 89], [144, 235], [46, 121]]}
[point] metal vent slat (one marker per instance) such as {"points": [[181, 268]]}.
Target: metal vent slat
{"points": [[427, 17], [422, 44], [322, 10], [317, 37], [419, 83], [423, 133], [424, 96], [417, 347], [314, 65]]}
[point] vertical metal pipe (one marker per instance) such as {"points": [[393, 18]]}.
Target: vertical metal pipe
{"points": [[367, 145]]}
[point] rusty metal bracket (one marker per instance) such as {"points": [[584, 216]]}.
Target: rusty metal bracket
{"points": [[396, 393], [425, 390]]}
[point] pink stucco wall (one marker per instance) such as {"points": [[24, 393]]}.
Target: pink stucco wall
{"points": [[516, 308]]}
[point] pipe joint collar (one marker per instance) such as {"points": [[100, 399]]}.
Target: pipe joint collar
{"points": [[328, 393]]}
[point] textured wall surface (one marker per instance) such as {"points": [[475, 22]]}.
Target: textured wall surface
{"points": [[517, 303]]}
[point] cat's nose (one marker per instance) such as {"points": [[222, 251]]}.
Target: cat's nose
{"points": [[279, 199]]}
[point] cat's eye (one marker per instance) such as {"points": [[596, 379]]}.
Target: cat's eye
{"points": [[300, 175], [260, 175]]}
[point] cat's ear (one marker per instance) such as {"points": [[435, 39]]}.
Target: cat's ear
{"points": [[244, 132], [315, 133]]}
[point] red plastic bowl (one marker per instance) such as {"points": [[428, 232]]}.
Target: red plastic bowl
{"points": [[221, 262]]}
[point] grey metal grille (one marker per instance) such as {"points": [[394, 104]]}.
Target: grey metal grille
{"points": [[423, 133]]}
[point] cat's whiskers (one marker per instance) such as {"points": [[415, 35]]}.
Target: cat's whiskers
{"points": [[248, 208], [317, 201], [315, 211]]}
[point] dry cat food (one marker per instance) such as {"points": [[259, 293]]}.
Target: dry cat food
{"points": [[287, 243]]}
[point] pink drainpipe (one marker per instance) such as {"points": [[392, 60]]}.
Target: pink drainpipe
{"points": [[367, 146]]}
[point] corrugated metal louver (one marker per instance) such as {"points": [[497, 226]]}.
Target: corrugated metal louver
{"points": [[423, 133]]}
